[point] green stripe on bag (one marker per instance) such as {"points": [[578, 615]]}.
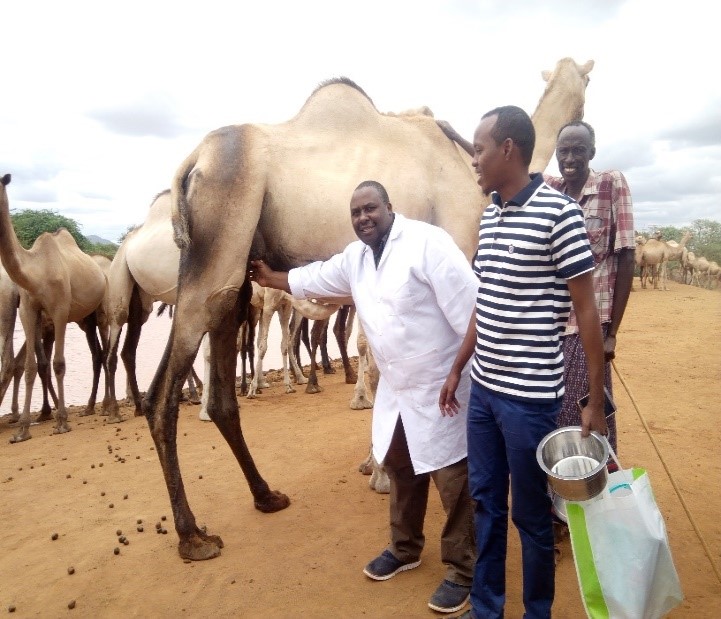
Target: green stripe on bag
{"points": [[585, 568]]}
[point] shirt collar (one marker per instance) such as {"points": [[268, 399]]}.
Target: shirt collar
{"points": [[590, 187], [522, 196]]}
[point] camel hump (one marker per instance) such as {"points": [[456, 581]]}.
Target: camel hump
{"points": [[337, 103], [6, 179]]}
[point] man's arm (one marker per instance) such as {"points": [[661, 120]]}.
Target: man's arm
{"points": [[589, 329], [621, 292], [452, 134], [447, 401]]}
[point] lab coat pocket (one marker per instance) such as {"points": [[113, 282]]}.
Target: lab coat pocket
{"points": [[417, 371]]}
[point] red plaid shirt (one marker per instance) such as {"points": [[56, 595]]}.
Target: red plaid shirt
{"points": [[608, 215]]}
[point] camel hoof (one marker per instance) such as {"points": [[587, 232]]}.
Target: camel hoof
{"points": [[365, 467], [13, 418], [380, 482], [138, 413], [274, 501], [21, 436], [289, 389], [359, 404], [311, 388], [115, 419], [301, 381], [203, 415], [62, 429], [252, 396], [89, 411], [329, 370], [200, 547], [351, 378], [45, 416], [195, 400]]}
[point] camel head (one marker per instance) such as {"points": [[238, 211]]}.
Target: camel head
{"points": [[640, 239], [568, 77], [5, 180]]}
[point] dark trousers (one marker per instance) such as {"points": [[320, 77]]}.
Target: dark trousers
{"points": [[408, 502], [503, 435]]}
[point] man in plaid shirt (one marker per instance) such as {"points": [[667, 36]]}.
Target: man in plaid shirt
{"points": [[605, 200]]}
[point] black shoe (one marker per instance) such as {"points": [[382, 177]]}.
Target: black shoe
{"points": [[387, 566], [449, 597]]}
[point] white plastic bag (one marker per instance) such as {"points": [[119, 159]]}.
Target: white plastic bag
{"points": [[621, 551]]}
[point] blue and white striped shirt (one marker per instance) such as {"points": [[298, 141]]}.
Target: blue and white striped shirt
{"points": [[527, 249]]}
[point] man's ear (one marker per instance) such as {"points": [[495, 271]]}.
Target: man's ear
{"points": [[593, 153], [390, 207], [507, 148]]}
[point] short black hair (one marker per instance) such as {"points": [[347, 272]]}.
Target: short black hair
{"points": [[580, 123], [514, 123], [378, 187]]}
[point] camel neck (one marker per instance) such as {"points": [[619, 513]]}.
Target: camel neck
{"points": [[11, 252]]}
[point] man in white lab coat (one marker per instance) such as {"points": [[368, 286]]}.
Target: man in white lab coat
{"points": [[413, 290]]}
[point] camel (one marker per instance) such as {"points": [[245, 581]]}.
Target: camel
{"points": [[143, 271], [713, 274], [656, 253], [281, 193], [700, 268], [56, 278]]}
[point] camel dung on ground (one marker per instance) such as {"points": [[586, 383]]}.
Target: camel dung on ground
{"points": [[281, 193], [57, 279]]}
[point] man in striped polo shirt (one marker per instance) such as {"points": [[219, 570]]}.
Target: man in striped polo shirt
{"points": [[533, 263]]}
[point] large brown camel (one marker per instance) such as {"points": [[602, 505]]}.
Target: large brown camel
{"points": [[657, 253], [58, 280], [281, 193]]}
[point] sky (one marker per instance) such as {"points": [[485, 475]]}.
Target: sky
{"points": [[100, 102]]}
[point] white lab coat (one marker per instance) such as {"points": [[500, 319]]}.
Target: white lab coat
{"points": [[414, 310]]}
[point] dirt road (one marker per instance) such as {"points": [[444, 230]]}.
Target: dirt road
{"points": [[306, 561]]}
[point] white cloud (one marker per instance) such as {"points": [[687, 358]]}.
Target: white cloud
{"points": [[102, 102]]}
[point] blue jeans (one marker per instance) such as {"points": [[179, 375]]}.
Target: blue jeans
{"points": [[503, 435]]}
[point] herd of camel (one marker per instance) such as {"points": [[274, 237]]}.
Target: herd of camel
{"points": [[277, 192], [654, 255]]}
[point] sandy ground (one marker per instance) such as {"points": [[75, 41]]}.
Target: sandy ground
{"points": [[307, 561]]}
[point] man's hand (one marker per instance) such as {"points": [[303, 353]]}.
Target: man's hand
{"points": [[263, 275], [447, 401]]}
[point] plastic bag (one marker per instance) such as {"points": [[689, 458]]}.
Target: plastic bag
{"points": [[620, 547]]}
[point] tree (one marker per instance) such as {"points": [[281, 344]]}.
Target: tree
{"points": [[29, 224], [706, 239]]}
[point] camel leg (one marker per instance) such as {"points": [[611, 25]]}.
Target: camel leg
{"points": [[340, 329], [259, 381], [30, 319], [193, 384], [43, 351], [137, 316], [61, 414], [16, 368], [361, 400], [90, 325], [205, 351], [284, 314], [160, 408], [224, 411], [323, 343], [315, 337], [296, 326], [110, 403]]}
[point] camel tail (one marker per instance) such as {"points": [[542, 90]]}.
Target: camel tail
{"points": [[180, 212]]}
